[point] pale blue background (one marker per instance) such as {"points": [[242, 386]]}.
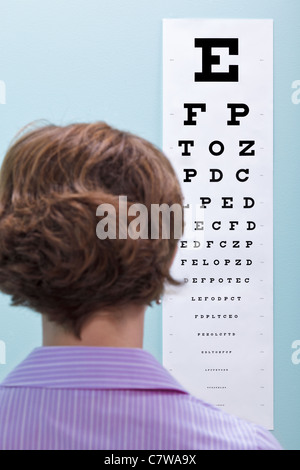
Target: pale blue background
{"points": [[85, 60]]}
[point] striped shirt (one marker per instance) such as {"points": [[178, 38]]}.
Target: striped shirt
{"points": [[90, 398]]}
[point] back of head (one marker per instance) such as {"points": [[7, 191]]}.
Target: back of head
{"points": [[52, 180]]}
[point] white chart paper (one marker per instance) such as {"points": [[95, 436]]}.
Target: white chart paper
{"points": [[218, 134]]}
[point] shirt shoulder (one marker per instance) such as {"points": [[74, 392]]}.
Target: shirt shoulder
{"points": [[142, 404], [230, 431]]}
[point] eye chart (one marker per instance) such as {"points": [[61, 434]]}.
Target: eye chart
{"points": [[218, 134]]}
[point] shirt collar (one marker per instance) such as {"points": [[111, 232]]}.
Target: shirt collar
{"points": [[91, 368]]}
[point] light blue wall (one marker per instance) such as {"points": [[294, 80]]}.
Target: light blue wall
{"points": [[86, 60]]}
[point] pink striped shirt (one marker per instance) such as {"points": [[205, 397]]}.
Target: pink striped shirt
{"points": [[81, 398]]}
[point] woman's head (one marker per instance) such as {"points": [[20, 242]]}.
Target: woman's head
{"points": [[52, 180]]}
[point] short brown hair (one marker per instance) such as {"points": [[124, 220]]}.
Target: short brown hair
{"points": [[52, 180]]}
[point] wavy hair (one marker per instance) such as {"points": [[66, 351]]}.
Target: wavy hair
{"points": [[52, 180]]}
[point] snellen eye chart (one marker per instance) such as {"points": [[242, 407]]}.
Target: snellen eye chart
{"points": [[218, 134]]}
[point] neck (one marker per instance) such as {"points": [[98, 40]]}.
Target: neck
{"points": [[123, 327]]}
